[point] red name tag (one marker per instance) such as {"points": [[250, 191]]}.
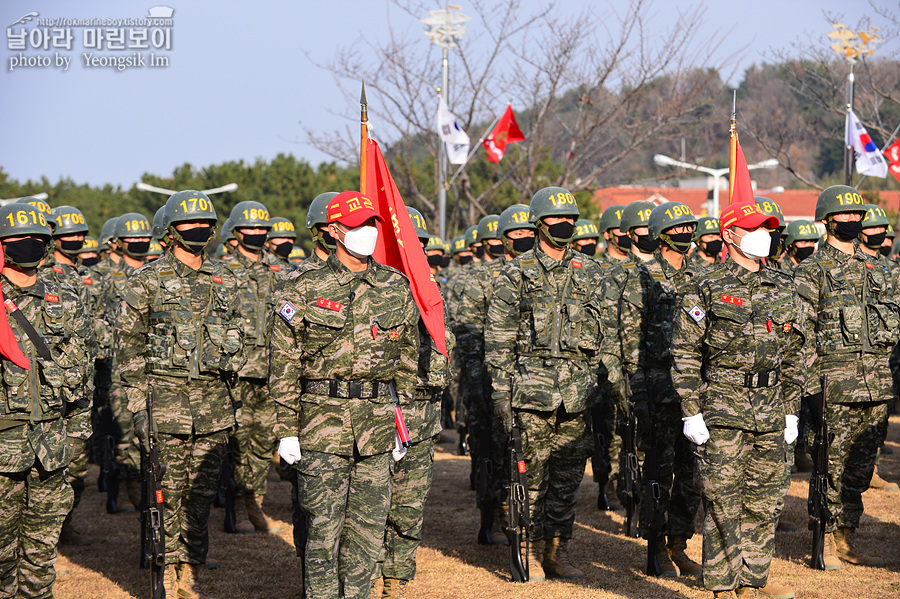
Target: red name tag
{"points": [[88, 281], [732, 300], [869, 265], [576, 263], [51, 298], [217, 279], [328, 304], [59, 269], [274, 267]]}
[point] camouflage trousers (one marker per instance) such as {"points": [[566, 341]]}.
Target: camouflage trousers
{"points": [[679, 497], [556, 446], [410, 483], [256, 443], [77, 473], [741, 475], [346, 502], [604, 459], [859, 431], [34, 504], [193, 464], [128, 448]]}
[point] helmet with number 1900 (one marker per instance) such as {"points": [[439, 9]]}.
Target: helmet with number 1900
{"points": [[282, 227], [552, 201], [838, 198]]}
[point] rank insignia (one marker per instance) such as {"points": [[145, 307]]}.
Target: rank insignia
{"points": [[697, 314], [393, 334], [274, 267], [787, 327], [576, 263], [217, 279], [287, 311]]}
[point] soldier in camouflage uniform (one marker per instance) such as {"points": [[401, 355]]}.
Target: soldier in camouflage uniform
{"points": [[45, 415], [341, 334], [281, 239], [776, 255], [438, 260], [617, 243], [228, 240], [542, 338], [107, 256], [411, 476], [738, 349], [89, 255], [257, 273], [180, 347], [708, 244], [800, 242], [851, 308], [586, 237]]}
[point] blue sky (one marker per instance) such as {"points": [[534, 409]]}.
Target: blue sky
{"points": [[241, 77]]}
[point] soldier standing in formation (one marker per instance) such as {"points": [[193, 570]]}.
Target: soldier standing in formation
{"points": [[738, 368], [709, 244]]}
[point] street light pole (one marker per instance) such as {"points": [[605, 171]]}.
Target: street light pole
{"points": [[147, 187]]}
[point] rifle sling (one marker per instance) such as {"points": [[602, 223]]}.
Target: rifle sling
{"points": [[33, 335]]}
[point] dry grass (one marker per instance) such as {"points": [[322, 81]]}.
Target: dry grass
{"points": [[451, 565]]}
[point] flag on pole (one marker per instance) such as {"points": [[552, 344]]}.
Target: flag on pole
{"points": [[455, 139], [740, 189], [9, 347], [505, 132], [869, 160], [893, 156], [398, 245]]}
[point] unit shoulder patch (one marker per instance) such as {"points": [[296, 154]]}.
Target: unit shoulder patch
{"points": [[287, 311]]}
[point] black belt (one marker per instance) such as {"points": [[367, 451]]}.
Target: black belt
{"points": [[346, 389], [751, 380]]}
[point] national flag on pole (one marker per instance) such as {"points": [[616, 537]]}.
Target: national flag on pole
{"points": [[740, 189], [505, 132], [455, 139], [869, 160], [398, 245], [893, 155], [9, 347]]}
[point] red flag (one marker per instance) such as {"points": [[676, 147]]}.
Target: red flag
{"points": [[740, 188], [398, 245], [892, 153], [9, 347], [505, 132]]}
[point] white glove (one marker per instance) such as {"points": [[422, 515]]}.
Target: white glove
{"points": [[399, 451], [289, 449], [790, 430], [695, 429]]}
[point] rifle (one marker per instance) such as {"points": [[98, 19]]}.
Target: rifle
{"points": [[630, 471], [227, 492], [817, 503], [600, 463], [651, 479], [485, 498], [153, 532], [108, 481], [519, 521]]}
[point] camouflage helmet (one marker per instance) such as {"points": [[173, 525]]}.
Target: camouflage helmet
{"points": [[250, 215], [487, 228], [282, 227], [611, 218], [69, 221], [297, 253], [227, 231], [514, 217], [706, 225], [458, 244], [155, 249], [159, 223], [189, 205], [636, 214], [23, 219], [132, 224], [875, 217], [471, 235], [90, 244], [838, 198], [435, 243], [419, 223], [42, 206], [771, 208], [801, 230], [890, 232], [668, 215], [318, 209], [106, 232], [552, 201], [585, 229]]}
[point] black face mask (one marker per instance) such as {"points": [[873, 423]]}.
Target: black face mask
{"points": [[885, 251], [522, 245], [495, 249], [589, 248], [775, 244], [25, 253], [137, 249], [680, 242], [90, 261], [561, 232], [802, 254], [445, 261], [327, 240], [847, 231], [713, 248], [195, 239], [463, 260], [479, 252], [624, 242], [646, 244], [254, 243], [875, 241], [70, 246], [283, 249], [435, 260]]}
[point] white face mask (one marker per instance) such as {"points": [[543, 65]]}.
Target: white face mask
{"points": [[755, 244], [360, 241]]}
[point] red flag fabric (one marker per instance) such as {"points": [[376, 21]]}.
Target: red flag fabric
{"points": [[9, 347], [398, 245], [742, 189], [892, 153], [505, 132]]}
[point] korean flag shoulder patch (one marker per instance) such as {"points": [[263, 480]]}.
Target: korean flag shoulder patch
{"points": [[697, 313], [287, 311]]}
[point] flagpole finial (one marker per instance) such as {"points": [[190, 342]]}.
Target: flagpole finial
{"points": [[734, 106], [362, 95]]}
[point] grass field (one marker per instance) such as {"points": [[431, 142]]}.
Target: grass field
{"points": [[452, 566]]}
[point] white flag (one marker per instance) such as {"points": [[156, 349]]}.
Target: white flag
{"points": [[455, 139], [869, 160]]}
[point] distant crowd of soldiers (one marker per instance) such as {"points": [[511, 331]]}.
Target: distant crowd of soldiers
{"points": [[699, 368]]}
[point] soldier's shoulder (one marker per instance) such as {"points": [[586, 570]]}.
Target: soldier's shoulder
{"points": [[389, 275], [778, 275]]}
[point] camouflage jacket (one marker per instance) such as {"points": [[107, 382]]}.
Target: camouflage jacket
{"points": [[734, 324], [472, 310], [333, 324], [851, 309], [696, 262], [51, 400], [542, 335], [181, 324]]}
